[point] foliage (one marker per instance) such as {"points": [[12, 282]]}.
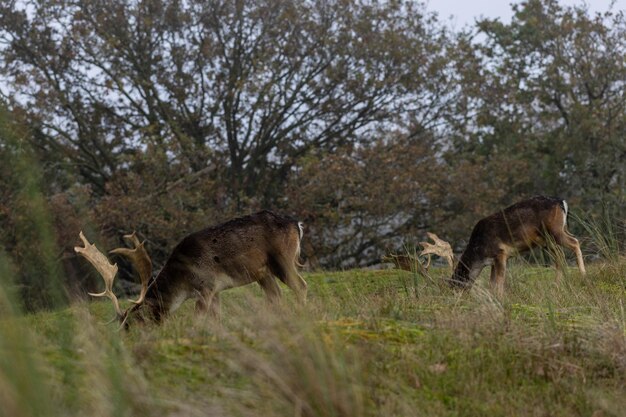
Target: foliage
{"points": [[249, 86], [548, 89], [370, 121], [26, 229]]}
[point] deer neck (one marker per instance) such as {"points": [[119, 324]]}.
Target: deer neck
{"points": [[165, 294], [467, 269]]}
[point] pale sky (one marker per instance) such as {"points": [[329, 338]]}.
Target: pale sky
{"points": [[466, 11]]}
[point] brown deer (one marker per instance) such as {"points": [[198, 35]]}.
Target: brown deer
{"points": [[254, 248], [538, 221]]}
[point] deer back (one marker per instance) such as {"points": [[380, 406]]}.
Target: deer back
{"points": [[228, 255], [519, 227]]}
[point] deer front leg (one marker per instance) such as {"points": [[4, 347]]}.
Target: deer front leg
{"points": [[558, 266], [208, 302], [270, 288], [559, 262]]}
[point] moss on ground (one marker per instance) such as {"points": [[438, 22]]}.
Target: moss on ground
{"points": [[367, 343]]}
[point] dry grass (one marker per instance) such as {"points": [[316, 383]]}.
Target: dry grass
{"points": [[368, 343]]}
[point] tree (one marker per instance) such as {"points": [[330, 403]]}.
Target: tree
{"points": [[247, 86], [548, 88], [26, 229]]}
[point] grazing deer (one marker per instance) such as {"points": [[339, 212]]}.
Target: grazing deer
{"points": [[254, 248], [537, 221]]}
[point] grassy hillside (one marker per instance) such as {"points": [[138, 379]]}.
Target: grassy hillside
{"points": [[368, 343]]}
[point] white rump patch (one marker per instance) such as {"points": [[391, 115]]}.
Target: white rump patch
{"points": [[301, 229], [566, 210]]}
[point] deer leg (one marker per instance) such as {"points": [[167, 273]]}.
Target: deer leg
{"points": [[270, 288], [214, 307], [559, 270], [559, 260], [202, 304], [297, 284], [286, 271], [498, 272], [208, 301], [574, 245], [565, 239]]}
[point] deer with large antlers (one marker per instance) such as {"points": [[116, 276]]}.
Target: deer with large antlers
{"points": [[254, 248], [538, 221]]}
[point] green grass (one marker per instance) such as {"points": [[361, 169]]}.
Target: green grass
{"points": [[368, 343]]}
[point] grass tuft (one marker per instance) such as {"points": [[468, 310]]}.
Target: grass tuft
{"points": [[364, 345]]}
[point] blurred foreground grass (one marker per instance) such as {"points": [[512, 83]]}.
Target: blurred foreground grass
{"points": [[368, 343]]}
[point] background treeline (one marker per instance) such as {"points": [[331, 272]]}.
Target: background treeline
{"points": [[373, 122]]}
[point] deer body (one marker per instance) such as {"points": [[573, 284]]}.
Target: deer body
{"points": [[254, 248], [242, 251], [517, 228]]}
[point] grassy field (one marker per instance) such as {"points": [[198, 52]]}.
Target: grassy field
{"points": [[368, 343]]}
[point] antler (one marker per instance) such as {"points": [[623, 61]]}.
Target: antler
{"points": [[104, 267], [137, 256], [140, 260], [439, 248]]}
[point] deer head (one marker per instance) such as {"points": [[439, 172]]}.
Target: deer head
{"points": [[409, 262], [255, 248], [139, 259]]}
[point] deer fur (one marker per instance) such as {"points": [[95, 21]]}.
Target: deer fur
{"points": [[533, 222], [254, 248]]}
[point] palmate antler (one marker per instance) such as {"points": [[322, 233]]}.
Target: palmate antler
{"points": [[139, 259], [439, 248], [104, 267]]}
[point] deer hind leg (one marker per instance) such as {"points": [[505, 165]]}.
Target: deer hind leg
{"points": [[270, 288], [208, 302], [498, 272], [286, 271], [565, 239], [574, 245]]}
